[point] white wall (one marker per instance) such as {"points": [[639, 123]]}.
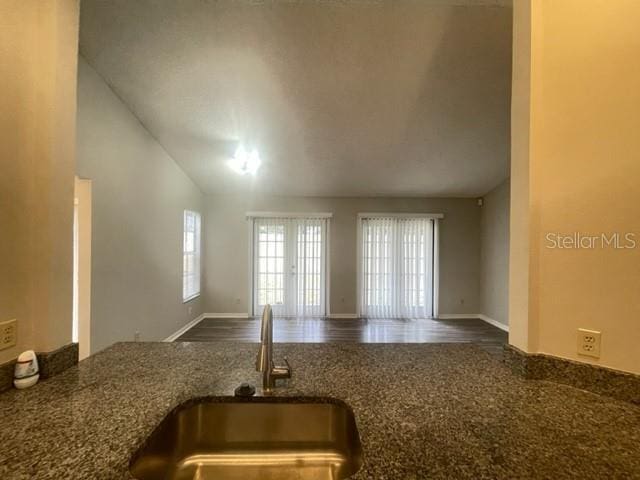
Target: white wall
{"points": [[227, 243], [38, 55], [494, 254], [82, 233], [139, 194], [521, 328], [578, 149]]}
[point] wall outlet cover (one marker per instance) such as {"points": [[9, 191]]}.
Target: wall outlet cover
{"points": [[589, 342], [8, 334]]}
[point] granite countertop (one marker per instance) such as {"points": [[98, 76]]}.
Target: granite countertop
{"points": [[449, 411]]}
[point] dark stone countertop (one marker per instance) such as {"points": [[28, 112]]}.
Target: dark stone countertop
{"points": [[446, 411]]}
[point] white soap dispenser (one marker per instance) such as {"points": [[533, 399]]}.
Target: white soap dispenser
{"points": [[26, 372]]}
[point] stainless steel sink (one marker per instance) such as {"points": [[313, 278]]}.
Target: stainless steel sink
{"points": [[266, 439]]}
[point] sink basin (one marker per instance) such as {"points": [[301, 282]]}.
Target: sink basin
{"points": [[264, 438]]}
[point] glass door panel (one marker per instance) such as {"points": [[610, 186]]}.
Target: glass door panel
{"points": [[290, 266], [269, 272]]}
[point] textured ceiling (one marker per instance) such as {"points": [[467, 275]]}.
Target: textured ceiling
{"points": [[342, 98]]}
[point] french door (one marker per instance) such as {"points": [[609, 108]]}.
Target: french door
{"points": [[290, 265]]}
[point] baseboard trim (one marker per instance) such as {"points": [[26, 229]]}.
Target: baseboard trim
{"points": [[226, 315], [457, 316], [182, 330], [344, 315], [479, 316], [493, 322]]}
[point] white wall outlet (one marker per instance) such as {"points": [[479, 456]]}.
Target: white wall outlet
{"points": [[589, 342], [8, 334], [190, 310], [136, 337]]}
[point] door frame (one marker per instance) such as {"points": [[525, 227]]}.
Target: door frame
{"points": [[82, 265], [250, 216]]}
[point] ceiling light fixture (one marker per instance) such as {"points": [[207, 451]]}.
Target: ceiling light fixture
{"points": [[244, 162]]}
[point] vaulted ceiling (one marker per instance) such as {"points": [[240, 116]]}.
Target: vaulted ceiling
{"points": [[341, 98]]}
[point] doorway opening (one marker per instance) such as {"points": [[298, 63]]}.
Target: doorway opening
{"points": [[289, 264]]}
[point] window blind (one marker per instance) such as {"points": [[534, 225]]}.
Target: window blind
{"points": [[399, 267]]}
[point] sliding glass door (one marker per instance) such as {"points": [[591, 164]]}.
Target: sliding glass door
{"points": [[289, 265], [398, 266]]}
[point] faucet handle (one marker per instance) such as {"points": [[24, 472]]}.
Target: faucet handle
{"points": [[282, 371], [288, 366]]}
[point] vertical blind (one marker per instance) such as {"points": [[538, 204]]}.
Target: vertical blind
{"points": [[399, 267], [191, 255], [289, 267]]}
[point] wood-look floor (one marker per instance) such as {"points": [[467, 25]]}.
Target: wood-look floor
{"points": [[327, 330]]}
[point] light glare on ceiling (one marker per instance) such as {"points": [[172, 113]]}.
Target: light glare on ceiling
{"points": [[244, 162]]}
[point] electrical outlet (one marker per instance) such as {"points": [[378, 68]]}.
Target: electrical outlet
{"points": [[8, 334], [190, 310], [136, 337], [589, 342]]}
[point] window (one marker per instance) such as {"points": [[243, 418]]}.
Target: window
{"points": [[398, 266], [191, 256]]}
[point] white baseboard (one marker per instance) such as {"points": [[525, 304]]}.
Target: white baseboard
{"points": [[225, 315], [344, 315], [192, 323], [480, 316], [493, 322]]}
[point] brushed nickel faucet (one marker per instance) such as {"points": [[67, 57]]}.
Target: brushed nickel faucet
{"points": [[264, 361]]}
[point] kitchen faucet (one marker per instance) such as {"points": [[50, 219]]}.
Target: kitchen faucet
{"points": [[264, 361]]}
